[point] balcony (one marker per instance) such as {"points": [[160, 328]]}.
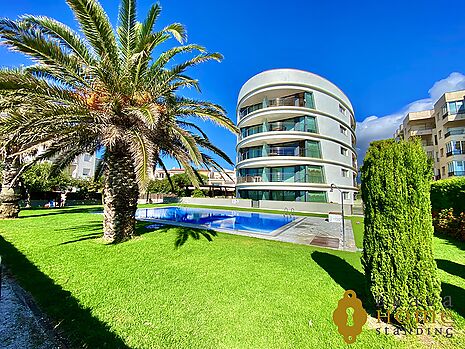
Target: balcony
{"points": [[249, 179], [286, 151], [421, 132], [300, 124], [455, 152], [454, 133], [457, 173], [297, 100]]}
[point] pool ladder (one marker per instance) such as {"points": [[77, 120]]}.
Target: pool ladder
{"points": [[288, 212]]}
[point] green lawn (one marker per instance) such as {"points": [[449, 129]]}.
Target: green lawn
{"points": [[234, 292]]}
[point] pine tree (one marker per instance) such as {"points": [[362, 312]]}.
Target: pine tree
{"points": [[397, 248]]}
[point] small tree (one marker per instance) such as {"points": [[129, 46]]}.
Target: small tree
{"points": [[397, 246], [39, 178]]}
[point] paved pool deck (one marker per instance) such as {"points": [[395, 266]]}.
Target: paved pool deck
{"points": [[313, 231]]}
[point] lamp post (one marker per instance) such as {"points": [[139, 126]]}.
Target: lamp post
{"points": [[334, 186]]}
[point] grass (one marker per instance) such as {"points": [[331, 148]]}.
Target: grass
{"points": [[234, 292]]}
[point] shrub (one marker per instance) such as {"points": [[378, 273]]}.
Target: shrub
{"points": [[445, 222], [198, 193], [448, 193], [397, 245]]}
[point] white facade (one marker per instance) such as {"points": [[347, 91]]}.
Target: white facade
{"points": [[297, 138], [84, 166]]}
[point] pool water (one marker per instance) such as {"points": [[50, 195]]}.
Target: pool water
{"points": [[253, 222]]}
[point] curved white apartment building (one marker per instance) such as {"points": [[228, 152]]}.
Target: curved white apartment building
{"points": [[297, 137]]}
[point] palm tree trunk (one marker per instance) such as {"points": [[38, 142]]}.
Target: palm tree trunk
{"points": [[11, 191], [120, 194]]}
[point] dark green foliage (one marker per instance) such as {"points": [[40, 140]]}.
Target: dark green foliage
{"points": [[180, 184], [39, 178], [198, 193], [398, 256], [446, 222], [448, 193]]}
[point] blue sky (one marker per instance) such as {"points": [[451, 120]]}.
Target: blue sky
{"points": [[385, 55]]}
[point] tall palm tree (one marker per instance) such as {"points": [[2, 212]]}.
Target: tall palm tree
{"points": [[10, 193], [107, 90]]}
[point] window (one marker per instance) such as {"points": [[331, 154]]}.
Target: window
{"points": [[456, 107], [315, 174], [455, 148], [317, 196], [437, 156], [309, 100], [312, 149], [288, 195], [342, 109], [345, 173], [440, 134], [250, 175], [250, 153], [286, 174], [346, 195], [343, 130], [441, 152], [87, 157], [443, 170], [248, 131], [310, 122], [435, 140], [86, 172], [456, 168], [444, 111], [344, 151]]}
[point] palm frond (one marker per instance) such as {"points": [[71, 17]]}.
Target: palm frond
{"points": [[64, 34], [97, 29], [127, 29]]}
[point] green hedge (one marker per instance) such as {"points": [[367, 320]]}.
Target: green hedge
{"points": [[448, 193], [397, 243]]}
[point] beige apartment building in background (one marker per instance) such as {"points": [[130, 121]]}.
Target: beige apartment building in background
{"points": [[442, 133]]}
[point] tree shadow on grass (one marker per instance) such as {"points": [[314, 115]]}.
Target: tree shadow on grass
{"points": [[76, 322], [451, 240], [451, 267], [457, 295], [45, 212], [346, 276], [182, 233]]}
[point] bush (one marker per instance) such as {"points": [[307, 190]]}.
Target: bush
{"points": [[198, 193], [445, 222], [397, 245], [448, 193]]}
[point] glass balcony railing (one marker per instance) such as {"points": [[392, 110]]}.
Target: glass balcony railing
{"points": [[455, 152], [311, 152], [454, 133], [457, 173], [303, 99], [286, 151], [249, 179]]}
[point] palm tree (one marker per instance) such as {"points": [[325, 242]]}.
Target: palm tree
{"points": [[107, 91], [10, 193]]}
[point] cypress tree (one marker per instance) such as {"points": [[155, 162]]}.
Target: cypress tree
{"points": [[397, 246]]}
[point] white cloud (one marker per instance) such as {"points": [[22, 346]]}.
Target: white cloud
{"points": [[382, 127]]}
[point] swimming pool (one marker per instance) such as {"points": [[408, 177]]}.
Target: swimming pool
{"points": [[252, 222]]}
